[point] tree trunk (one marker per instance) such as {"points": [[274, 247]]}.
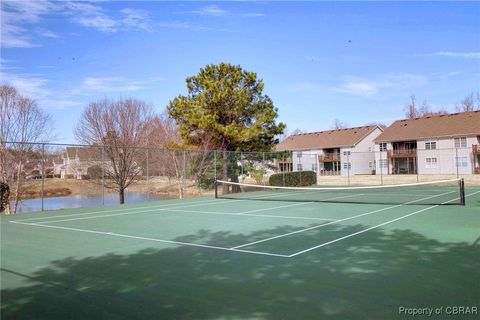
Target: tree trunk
{"points": [[121, 194], [16, 197]]}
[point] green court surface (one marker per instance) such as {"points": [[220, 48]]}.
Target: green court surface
{"points": [[241, 259]]}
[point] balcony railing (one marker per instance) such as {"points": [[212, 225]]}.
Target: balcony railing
{"points": [[286, 160], [329, 157], [329, 173], [402, 153]]}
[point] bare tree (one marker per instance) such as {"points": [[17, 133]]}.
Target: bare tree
{"points": [[471, 102], [122, 126], [425, 110], [411, 108], [22, 122], [337, 124]]}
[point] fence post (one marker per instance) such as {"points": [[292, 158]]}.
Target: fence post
{"points": [[43, 174], [416, 166], [148, 178], [183, 174], [263, 165], [215, 165], [456, 160], [380, 165], [103, 175], [241, 165], [348, 167]]}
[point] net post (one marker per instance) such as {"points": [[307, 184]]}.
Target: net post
{"points": [[215, 184], [462, 192]]}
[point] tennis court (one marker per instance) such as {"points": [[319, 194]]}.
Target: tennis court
{"points": [[304, 254]]}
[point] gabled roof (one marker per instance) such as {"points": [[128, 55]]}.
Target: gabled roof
{"points": [[442, 126], [84, 153], [338, 138]]}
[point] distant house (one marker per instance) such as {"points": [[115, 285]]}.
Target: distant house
{"points": [[332, 152], [77, 160], [444, 144]]}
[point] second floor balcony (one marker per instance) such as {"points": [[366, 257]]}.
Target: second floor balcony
{"points": [[402, 153], [329, 157]]}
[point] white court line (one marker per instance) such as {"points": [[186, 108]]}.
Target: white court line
{"points": [[214, 201], [374, 227], [150, 239], [337, 221], [246, 213], [113, 210]]}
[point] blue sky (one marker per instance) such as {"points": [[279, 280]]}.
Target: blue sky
{"points": [[358, 62]]}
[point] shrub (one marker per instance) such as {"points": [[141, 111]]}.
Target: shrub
{"points": [[94, 172], [294, 179]]}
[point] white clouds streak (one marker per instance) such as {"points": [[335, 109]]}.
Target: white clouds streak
{"points": [[370, 87], [16, 16], [465, 55]]}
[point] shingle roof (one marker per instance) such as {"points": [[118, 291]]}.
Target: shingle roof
{"points": [[456, 124], [84, 153], [348, 137]]}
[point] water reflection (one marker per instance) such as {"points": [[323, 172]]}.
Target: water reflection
{"points": [[79, 201]]}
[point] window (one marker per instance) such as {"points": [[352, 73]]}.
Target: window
{"points": [[460, 142], [346, 153], [299, 167], [347, 165], [383, 146], [299, 154], [370, 164], [383, 163], [314, 167], [431, 145], [431, 163], [461, 162], [369, 149]]}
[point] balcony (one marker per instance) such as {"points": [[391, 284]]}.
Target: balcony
{"points": [[402, 153], [329, 157], [286, 160]]}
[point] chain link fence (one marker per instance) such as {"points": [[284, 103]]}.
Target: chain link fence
{"points": [[49, 176]]}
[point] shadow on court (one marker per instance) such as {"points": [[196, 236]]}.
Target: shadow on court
{"points": [[366, 277]]}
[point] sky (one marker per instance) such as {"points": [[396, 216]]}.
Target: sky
{"points": [[358, 62]]}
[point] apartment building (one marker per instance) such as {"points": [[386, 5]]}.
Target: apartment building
{"points": [[443, 144], [333, 152]]}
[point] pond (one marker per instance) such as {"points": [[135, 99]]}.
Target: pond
{"points": [[80, 201]]}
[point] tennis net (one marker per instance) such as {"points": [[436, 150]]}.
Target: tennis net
{"points": [[444, 192]]}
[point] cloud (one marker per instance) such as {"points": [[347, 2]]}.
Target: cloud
{"points": [[47, 33], [17, 16], [90, 16], [212, 10], [112, 85], [136, 19], [370, 87], [254, 14], [466, 55]]}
